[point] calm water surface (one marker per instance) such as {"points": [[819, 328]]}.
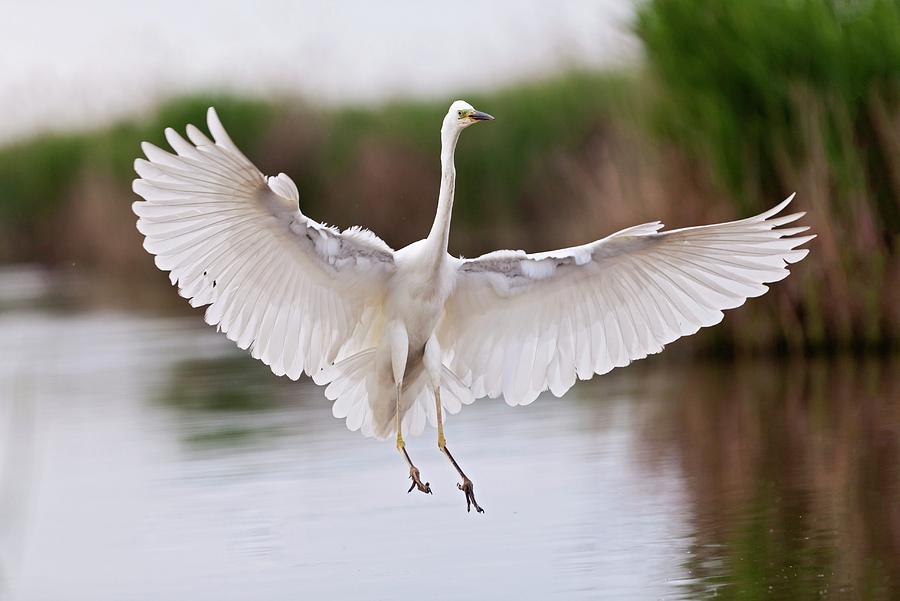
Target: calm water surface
{"points": [[147, 459]]}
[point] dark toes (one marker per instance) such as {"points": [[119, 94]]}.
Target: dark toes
{"points": [[417, 482], [469, 490]]}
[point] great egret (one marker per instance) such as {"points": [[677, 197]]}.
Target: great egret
{"points": [[401, 336]]}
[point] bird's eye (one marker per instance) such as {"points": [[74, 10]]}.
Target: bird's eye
{"points": [[461, 114]]}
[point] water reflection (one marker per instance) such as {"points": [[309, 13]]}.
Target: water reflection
{"points": [[793, 476], [217, 398], [144, 447]]}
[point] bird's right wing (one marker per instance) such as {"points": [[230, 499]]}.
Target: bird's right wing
{"points": [[517, 324], [296, 291]]}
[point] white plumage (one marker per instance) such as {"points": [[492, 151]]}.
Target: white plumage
{"points": [[518, 324], [346, 309]]}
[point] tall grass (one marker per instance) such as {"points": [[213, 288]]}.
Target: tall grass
{"points": [[738, 77], [804, 95]]}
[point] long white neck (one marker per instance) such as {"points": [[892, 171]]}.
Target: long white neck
{"points": [[440, 230]]}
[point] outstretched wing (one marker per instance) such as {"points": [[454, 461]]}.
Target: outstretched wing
{"points": [[517, 324], [293, 290]]}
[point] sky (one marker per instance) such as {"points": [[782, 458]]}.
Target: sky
{"points": [[70, 65]]}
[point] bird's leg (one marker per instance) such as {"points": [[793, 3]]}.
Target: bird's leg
{"points": [[466, 485], [401, 446]]}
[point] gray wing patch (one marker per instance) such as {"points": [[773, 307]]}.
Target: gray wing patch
{"points": [[509, 272], [352, 247]]}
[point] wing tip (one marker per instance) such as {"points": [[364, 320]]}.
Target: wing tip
{"points": [[147, 148], [795, 256], [214, 123], [798, 240], [140, 186], [190, 128], [219, 133], [777, 208]]}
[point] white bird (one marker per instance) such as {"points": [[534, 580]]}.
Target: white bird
{"points": [[400, 337]]}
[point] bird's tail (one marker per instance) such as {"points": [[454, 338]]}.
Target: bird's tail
{"points": [[368, 402]]}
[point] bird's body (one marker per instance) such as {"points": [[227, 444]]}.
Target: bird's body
{"points": [[400, 337], [417, 293]]}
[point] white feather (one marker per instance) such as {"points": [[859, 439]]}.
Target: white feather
{"points": [[607, 303], [236, 241]]}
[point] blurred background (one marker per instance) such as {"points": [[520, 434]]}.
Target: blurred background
{"points": [[142, 457]]}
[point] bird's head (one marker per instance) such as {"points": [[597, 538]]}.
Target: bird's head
{"points": [[462, 114]]}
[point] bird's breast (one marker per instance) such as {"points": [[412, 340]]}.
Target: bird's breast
{"points": [[417, 297]]}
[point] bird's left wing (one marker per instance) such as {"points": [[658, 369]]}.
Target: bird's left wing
{"points": [[517, 324], [294, 290]]}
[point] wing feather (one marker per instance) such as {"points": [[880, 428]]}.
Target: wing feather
{"points": [[517, 324], [290, 289]]}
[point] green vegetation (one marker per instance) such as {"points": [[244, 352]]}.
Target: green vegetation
{"points": [[536, 119], [218, 385], [742, 80], [739, 104], [39, 177], [803, 95]]}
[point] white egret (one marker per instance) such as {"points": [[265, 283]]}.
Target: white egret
{"points": [[400, 337]]}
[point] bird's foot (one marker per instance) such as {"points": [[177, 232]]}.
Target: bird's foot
{"points": [[469, 489], [417, 481], [466, 485]]}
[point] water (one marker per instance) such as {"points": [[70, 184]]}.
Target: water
{"points": [[145, 458]]}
